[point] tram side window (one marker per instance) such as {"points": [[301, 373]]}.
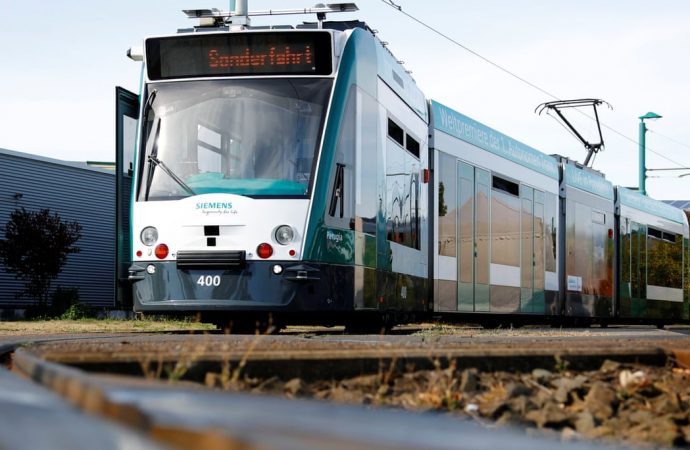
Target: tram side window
{"points": [[625, 243], [406, 141], [664, 259], [396, 132], [581, 245], [402, 197], [412, 145], [505, 229], [599, 253], [447, 205], [639, 259], [402, 191], [507, 186], [550, 231]]}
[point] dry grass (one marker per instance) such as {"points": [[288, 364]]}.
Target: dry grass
{"points": [[444, 329], [45, 327]]}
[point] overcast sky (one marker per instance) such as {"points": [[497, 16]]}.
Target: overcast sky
{"points": [[62, 60]]}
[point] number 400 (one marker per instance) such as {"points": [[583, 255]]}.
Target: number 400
{"points": [[208, 280]]}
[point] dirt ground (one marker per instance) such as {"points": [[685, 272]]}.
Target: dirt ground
{"points": [[630, 404], [620, 403]]}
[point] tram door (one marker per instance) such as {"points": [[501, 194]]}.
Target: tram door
{"points": [[526, 249], [531, 250], [126, 113], [474, 189], [638, 259], [632, 268]]}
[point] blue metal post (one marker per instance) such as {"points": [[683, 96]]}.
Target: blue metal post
{"points": [[643, 168]]}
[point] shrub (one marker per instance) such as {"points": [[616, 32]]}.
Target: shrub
{"points": [[35, 249], [78, 311]]}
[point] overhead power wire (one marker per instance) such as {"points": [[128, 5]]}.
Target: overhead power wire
{"points": [[662, 156], [487, 60], [517, 77], [647, 148], [670, 139]]}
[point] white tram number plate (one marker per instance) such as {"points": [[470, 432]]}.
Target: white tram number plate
{"points": [[208, 280]]}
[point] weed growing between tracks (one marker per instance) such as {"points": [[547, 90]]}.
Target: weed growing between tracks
{"points": [[635, 404], [228, 378]]}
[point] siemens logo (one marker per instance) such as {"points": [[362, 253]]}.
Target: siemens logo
{"points": [[214, 205]]}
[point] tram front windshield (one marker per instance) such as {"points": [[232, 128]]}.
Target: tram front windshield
{"points": [[257, 138]]}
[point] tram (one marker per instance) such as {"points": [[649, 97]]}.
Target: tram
{"points": [[301, 173]]}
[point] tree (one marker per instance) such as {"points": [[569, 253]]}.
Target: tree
{"points": [[35, 249]]}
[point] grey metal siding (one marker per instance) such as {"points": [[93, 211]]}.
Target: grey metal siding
{"points": [[76, 192]]}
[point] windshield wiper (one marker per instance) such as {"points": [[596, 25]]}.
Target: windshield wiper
{"points": [[150, 143], [152, 149], [148, 105], [155, 162]]}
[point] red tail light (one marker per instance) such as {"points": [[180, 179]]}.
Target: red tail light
{"points": [[161, 251], [264, 250]]}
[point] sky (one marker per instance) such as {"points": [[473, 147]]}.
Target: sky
{"points": [[61, 62]]}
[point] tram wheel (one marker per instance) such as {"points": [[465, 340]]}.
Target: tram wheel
{"points": [[370, 324], [232, 324], [501, 324]]}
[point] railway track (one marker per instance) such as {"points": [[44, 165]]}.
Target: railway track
{"points": [[152, 391]]}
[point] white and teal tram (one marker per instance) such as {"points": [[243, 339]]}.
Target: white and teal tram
{"points": [[302, 173]]}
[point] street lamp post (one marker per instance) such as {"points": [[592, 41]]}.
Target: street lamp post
{"points": [[643, 167]]}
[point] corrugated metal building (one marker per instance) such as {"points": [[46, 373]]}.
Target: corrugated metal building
{"points": [[682, 204], [76, 191]]}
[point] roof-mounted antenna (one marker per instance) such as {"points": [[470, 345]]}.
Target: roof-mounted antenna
{"points": [[241, 18], [592, 147], [217, 18]]}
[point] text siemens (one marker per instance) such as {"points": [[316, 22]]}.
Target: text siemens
{"points": [[214, 205]]}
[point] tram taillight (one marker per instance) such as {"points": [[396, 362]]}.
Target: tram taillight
{"points": [[264, 250], [161, 251]]}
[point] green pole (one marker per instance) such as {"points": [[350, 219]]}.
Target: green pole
{"points": [[643, 169]]}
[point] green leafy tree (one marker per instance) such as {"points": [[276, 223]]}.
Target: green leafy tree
{"points": [[35, 249]]}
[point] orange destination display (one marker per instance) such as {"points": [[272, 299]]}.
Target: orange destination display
{"points": [[229, 54]]}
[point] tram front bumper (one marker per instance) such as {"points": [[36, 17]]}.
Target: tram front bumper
{"points": [[256, 286]]}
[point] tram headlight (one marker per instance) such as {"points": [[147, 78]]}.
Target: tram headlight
{"points": [[284, 234], [149, 236]]}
